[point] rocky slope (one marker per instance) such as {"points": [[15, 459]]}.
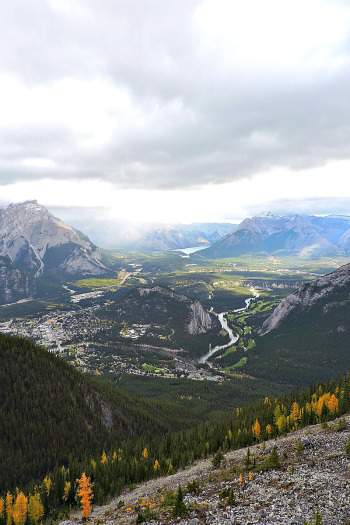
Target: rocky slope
{"points": [[14, 284], [314, 476], [298, 234], [326, 288], [306, 338], [199, 320], [34, 242]]}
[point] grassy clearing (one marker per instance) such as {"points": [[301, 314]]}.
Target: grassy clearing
{"points": [[94, 282]]}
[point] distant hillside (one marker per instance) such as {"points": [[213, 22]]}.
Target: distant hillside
{"points": [[171, 237], [306, 338], [302, 235], [50, 412], [33, 242]]}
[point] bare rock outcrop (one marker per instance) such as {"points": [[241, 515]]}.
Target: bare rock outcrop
{"points": [[200, 320]]}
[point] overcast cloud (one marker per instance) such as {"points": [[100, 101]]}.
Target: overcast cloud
{"points": [[160, 94]]}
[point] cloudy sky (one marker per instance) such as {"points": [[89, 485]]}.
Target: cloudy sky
{"points": [[178, 110]]}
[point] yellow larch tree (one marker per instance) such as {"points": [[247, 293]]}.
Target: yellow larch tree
{"points": [[66, 490], [333, 404], [104, 458], [145, 453], [256, 429], [85, 494], [156, 465], [20, 509], [268, 430], [9, 508], [2, 509], [295, 413], [320, 403], [281, 423], [47, 482], [35, 509]]}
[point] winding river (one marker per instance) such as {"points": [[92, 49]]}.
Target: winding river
{"points": [[223, 321]]}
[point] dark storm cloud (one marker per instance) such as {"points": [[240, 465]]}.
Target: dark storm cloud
{"points": [[189, 118]]}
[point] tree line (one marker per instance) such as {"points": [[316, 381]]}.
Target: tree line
{"points": [[95, 478]]}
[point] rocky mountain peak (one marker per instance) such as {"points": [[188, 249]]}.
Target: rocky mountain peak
{"points": [[33, 241]]}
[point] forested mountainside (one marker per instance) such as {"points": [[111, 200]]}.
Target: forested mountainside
{"points": [[306, 338], [50, 413], [297, 234], [57, 424]]}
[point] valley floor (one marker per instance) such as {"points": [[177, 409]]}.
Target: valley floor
{"points": [[316, 479]]}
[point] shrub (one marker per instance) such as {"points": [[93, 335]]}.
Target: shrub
{"points": [[145, 515], [299, 448], [193, 487], [228, 495], [347, 448], [218, 459], [316, 520], [340, 425], [272, 461]]}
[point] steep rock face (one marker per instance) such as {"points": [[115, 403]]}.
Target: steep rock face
{"points": [[14, 284], [200, 321], [36, 241], [325, 288]]}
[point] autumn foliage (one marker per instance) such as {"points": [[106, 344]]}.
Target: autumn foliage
{"points": [[85, 495], [109, 471]]}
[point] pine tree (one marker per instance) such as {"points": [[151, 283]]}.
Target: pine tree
{"points": [[247, 460], [273, 460], [85, 494], [179, 507]]}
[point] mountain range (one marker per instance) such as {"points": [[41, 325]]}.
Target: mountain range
{"points": [[302, 235], [177, 236]]}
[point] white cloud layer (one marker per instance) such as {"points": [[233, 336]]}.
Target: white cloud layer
{"points": [[278, 191], [175, 111], [158, 94]]}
